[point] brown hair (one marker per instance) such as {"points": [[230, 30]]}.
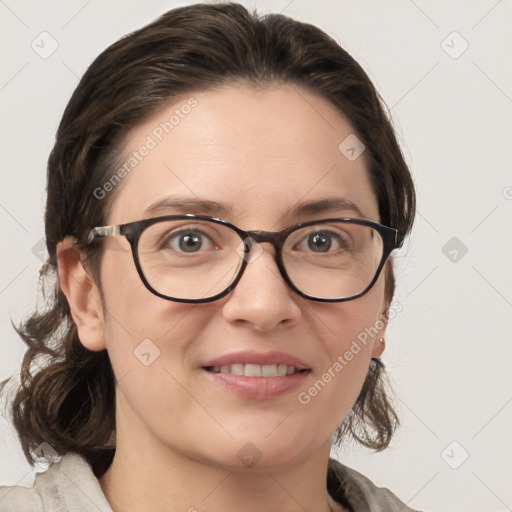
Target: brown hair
{"points": [[69, 402]]}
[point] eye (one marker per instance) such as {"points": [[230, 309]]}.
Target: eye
{"points": [[188, 240], [322, 241]]}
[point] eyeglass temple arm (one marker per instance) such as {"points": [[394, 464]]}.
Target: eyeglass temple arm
{"points": [[103, 231]]}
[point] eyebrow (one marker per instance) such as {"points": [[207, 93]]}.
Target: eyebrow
{"points": [[189, 205], [219, 209], [322, 205]]}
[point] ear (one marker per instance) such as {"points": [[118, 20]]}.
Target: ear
{"points": [[378, 345], [83, 295]]}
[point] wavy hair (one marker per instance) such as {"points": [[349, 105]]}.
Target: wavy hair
{"points": [[66, 395]]}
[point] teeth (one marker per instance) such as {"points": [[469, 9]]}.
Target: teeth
{"points": [[282, 370], [269, 370], [256, 370], [236, 369], [252, 370]]}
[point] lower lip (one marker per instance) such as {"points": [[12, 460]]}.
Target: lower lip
{"points": [[258, 388]]}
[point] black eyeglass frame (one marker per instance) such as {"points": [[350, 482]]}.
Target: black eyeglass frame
{"points": [[133, 230]]}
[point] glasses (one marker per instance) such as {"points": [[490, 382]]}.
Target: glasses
{"points": [[197, 259]]}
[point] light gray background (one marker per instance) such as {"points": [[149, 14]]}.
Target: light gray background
{"points": [[449, 351]]}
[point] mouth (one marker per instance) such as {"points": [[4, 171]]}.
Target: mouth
{"points": [[257, 382], [256, 370], [257, 376]]}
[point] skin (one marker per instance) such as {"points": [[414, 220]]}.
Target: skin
{"points": [[178, 435]]}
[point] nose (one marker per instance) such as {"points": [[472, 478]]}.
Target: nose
{"points": [[262, 299]]}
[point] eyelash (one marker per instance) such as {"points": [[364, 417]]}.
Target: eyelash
{"points": [[180, 231]]}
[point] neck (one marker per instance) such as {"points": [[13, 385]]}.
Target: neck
{"points": [[158, 478]]}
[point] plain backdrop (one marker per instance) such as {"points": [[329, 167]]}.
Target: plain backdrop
{"points": [[442, 68]]}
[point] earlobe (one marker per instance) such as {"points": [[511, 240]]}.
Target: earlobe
{"points": [[378, 346], [82, 295], [379, 343]]}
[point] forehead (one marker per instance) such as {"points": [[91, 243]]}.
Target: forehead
{"points": [[258, 152]]}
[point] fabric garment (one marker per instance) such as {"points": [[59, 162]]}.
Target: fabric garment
{"points": [[70, 486]]}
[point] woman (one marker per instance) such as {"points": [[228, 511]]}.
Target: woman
{"points": [[223, 197]]}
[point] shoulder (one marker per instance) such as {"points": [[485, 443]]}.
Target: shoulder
{"points": [[20, 499], [66, 485], [351, 487]]}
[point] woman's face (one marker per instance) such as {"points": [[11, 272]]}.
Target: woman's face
{"points": [[260, 154]]}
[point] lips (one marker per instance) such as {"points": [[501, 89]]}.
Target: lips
{"points": [[257, 376]]}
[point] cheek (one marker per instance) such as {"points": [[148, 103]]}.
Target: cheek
{"points": [[348, 332], [150, 342], [353, 325], [141, 329]]}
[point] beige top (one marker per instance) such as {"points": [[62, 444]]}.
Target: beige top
{"points": [[70, 486]]}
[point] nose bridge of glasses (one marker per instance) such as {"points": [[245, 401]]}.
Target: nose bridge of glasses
{"points": [[255, 238], [259, 237]]}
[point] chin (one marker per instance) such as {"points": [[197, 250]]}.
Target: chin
{"points": [[259, 453]]}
